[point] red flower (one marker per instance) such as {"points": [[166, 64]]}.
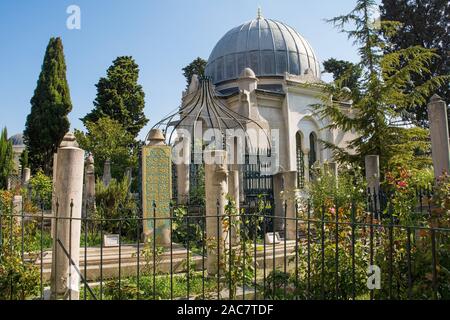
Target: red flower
{"points": [[402, 184]]}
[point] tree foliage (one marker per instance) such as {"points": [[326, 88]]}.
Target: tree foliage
{"points": [[197, 67], [6, 158], [120, 97], [108, 139], [424, 23], [386, 90], [346, 70], [47, 123]]}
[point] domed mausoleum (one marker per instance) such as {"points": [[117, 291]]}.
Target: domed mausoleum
{"points": [[268, 47], [265, 71]]}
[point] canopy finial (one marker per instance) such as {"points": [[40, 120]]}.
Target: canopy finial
{"points": [[259, 15]]}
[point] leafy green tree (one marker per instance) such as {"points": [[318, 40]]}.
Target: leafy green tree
{"points": [[41, 190], [6, 158], [47, 123], [197, 67], [346, 70], [423, 23], [120, 97], [108, 139], [386, 91]]}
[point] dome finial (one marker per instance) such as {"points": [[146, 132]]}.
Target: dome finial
{"points": [[259, 14]]}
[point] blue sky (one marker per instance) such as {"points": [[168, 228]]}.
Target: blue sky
{"points": [[162, 36]]}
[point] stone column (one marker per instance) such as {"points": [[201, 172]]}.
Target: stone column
{"points": [[306, 164], [26, 175], [183, 172], [437, 115], [278, 187], [107, 172], [89, 187], [54, 202], [372, 164], [233, 191], [290, 187], [17, 208], [64, 281], [216, 185]]}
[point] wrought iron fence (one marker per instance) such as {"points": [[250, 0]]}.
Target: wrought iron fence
{"points": [[342, 251]]}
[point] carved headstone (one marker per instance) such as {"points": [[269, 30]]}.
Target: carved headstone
{"points": [[156, 189]]}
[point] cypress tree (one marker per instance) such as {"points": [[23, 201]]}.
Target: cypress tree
{"points": [[48, 121], [120, 97], [6, 158]]}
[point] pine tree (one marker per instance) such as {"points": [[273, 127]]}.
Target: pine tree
{"points": [[386, 90], [48, 121], [6, 158], [120, 97], [197, 67]]}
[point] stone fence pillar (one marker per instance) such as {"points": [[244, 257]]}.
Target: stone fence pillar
{"points": [[89, 188], [372, 164], [26, 175], [17, 208], [233, 191], [216, 186], [290, 214], [183, 173], [437, 115], [107, 172], [64, 280]]}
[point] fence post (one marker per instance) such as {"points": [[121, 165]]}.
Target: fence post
{"points": [[216, 175], [69, 191], [440, 149]]}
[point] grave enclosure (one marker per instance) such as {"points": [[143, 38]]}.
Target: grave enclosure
{"points": [[73, 271]]}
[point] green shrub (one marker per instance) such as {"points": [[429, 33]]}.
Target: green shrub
{"points": [[19, 278], [41, 190], [115, 204]]}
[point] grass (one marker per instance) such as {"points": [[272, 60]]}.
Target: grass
{"points": [[161, 290]]}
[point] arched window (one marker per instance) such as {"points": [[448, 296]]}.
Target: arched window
{"points": [[300, 162], [312, 153]]}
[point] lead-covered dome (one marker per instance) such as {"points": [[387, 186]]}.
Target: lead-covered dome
{"points": [[268, 47]]}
